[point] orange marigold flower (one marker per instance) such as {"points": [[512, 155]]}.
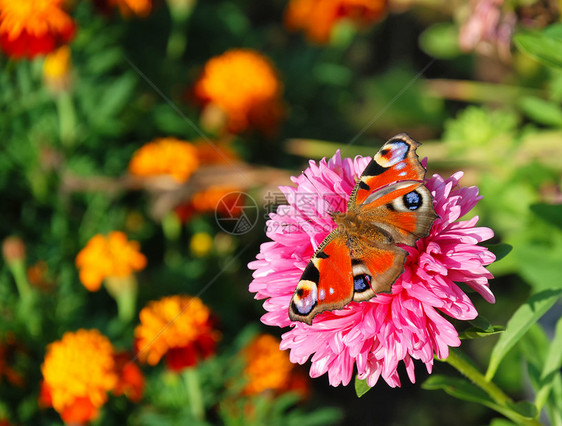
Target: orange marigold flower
{"points": [[45, 398], [130, 380], [165, 156], [181, 328], [207, 200], [318, 17], [225, 200], [244, 85], [32, 27], [126, 7], [136, 7], [218, 153], [108, 257], [269, 369], [78, 372], [217, 198]]}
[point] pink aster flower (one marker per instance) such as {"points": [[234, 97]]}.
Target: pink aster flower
{"points": [[373, 336]]}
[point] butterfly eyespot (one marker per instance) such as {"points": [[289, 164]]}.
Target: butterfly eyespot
{"points": [[305, 298], [385, 151], [412, 200], [361, 283]]}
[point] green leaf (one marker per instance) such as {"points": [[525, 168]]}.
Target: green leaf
{"points": [[459, 388], [539, 265], [545, 46], [500, 250], [481, 323], [552, 366], [361, 387], [481, 327], [524, 409], [534, 347], [554, 31], [462, 389], [501, 422], [553, 361], [551, 213], [441, 41], [473, 332], [517, 326], [541, 111], [554, 406], [332, 74]]}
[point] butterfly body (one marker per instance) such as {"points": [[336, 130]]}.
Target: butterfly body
{"points": [[388, 206]]}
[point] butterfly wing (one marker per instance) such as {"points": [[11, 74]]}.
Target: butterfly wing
{"points": [[375, 269], [403, 210], [327, 281], [401, 213], [395, 161]]}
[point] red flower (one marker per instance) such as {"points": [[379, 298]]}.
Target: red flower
{"points": [[33, 27], [130, 380]]}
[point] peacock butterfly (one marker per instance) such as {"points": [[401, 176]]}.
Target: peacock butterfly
{"points": [[389, 205]]}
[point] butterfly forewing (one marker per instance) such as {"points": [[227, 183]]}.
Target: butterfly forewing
{"points": [[324, 284], [396, 161]]}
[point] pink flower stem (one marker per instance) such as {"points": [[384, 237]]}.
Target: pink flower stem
{"points": [[467, 369]]}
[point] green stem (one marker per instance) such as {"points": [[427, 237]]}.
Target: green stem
{"points": [[176, 42], [468, 370], [67, 118], [124, 291], [17, 267], [180, 11], [27, 309], [504, 401], [191, 379], [171, 227]]}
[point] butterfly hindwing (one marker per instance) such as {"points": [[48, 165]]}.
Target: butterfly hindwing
{"points": [[403, 209], [376, 271], [326, 283]]}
